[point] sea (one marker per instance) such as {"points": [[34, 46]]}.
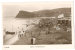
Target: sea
{"points": [[11, 24]]}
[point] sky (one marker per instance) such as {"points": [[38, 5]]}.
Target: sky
{"points": [[12, 9]]}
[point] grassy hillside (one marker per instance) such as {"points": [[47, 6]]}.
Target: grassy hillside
{"points": [[45, 13]]}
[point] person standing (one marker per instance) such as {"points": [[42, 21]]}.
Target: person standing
{"points": [[21, 34], [33, 40], [18, 32]]}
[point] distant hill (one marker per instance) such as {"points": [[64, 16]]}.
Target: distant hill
{"points": [[45, 13], [24, 14]]}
